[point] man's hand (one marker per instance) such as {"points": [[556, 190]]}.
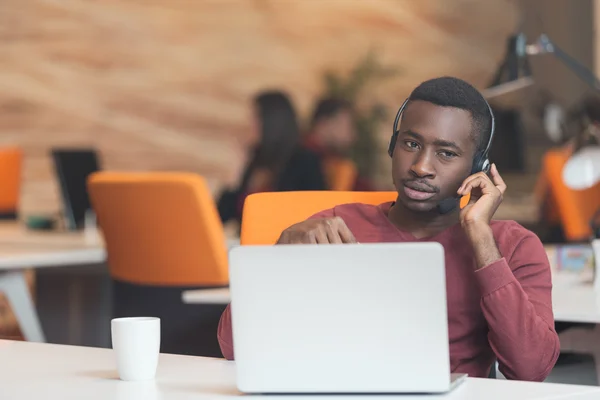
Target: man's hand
{"points": [[475, 217], [317, 231], [486, 196]]}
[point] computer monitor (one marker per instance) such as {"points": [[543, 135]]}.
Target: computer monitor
{"points": [[72, 167]]}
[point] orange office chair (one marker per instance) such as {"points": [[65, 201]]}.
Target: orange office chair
{"points": [[340, 173], [573, 208], [267, 214], [163, 236], [11, 159], [160, 228]]}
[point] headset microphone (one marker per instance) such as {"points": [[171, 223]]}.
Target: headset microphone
{"points": [[481, 163]]}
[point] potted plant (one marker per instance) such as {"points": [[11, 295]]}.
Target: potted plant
{"points": [[368, 117]]}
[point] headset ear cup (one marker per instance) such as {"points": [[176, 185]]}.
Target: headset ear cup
{"points": [[476, 165], [485, 165]]}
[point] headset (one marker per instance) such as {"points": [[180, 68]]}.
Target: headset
{"points": [[481, 162]]}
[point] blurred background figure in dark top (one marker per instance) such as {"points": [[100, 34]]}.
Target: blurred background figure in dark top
{"points": [[332, 131], [332, 134], [279, 161]]}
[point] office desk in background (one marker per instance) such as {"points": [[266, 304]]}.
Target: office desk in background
{"points": [[22, 249], [90, 373], [576, 301], [564, 299]]}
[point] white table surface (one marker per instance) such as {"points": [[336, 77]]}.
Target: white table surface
{"points": [[207, 296], [43, 371], [577, 302], [25, 248], [22, 248], [574, 300]]}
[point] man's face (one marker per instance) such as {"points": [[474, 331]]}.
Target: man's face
{"points": [[433, 154]]}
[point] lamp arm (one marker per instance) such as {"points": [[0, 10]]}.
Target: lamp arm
{"points": [[545, 45]]}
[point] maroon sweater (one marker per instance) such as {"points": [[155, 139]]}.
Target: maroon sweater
{"points": [[502, 311]]}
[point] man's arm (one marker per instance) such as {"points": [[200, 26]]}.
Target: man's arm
{"points": [[516, 300], [516, 294]]}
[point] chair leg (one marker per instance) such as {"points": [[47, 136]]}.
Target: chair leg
{"points": [[14, 286]]}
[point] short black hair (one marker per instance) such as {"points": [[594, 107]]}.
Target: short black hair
{"points": [[328, 107], [453, 92]]}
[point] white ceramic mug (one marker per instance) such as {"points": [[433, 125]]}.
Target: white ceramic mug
{"points": [[136, 344]]}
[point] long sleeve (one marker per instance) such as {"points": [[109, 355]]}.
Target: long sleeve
{"points": [[225, 335], [516, 300]]}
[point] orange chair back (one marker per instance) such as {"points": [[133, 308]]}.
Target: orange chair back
{"points": [[11, 160], [268, 214], [574, 208], [160, 228], [340, 173]]}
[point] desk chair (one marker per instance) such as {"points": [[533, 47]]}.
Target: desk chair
{"points": [[267, 214], [163, 235], [572, 209], [11, 161]]}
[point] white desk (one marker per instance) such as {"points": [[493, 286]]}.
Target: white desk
{"points": [[577, 302], [574, 301], [207, 296], [21, 249], [35, 371]]}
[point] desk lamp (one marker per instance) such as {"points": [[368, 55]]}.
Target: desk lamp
{"points": [[582, 171]]}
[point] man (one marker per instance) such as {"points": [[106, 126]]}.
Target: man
{"points": [[497, 272], [332, 134]]}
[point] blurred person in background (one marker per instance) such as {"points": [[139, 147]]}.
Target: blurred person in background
{"points": [[278, 162], [332, 133]]}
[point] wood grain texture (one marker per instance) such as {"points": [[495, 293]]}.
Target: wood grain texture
{"points": [[158, 85]]}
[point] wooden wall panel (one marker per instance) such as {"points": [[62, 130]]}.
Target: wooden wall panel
{"points": [[166, 84]]}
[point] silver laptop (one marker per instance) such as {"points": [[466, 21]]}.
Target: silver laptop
{"points": [[361, 318]]}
